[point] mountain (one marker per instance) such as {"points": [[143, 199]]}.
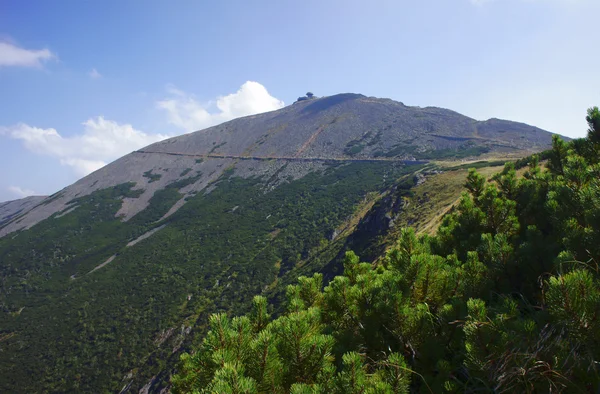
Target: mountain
{"points": [[105, 282], [344, 127]]}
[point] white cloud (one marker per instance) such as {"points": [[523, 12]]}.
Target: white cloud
{"points": [[94, 74], [12, 55], [185, 112], [20, 192], [102, 141]]}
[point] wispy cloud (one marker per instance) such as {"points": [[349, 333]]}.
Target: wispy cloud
{"points": [[20, 192], [14, 56], [185, 112], [94, 74], [101, 141]]}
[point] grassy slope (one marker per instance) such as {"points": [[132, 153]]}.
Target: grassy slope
{"points": [[434, 198]]}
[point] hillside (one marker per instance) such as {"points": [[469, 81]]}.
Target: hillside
{"points": [[294, 141], [503, 297], [105, 282]]}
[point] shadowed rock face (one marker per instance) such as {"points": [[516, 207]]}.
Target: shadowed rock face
{"points": [[11, 209], [299, 138]]}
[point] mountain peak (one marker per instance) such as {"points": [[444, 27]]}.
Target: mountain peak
{"points": [[345, 127]]}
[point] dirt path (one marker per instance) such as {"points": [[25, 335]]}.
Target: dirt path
{"points": [[310, 140], [145, 235], [111, 258], [289, 158]]}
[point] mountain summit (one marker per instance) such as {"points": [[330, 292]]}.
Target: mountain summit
{"points": [[292, 142]]}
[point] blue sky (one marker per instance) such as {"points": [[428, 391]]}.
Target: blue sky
{"points": [[84, 82]]}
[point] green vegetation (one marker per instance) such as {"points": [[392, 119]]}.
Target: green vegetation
{"points": [[478, 164], [180, 184], [451, 153], [353, 149], [369, 139], [78, 331], [53, 197], [152, 177], [461, 152], [524, 162], [505, 297], [217, 146]]}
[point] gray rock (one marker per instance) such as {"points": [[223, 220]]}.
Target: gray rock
{"points": [[419, 179]]}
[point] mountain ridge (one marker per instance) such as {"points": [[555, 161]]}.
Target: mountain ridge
{"points": [[341, 127]]}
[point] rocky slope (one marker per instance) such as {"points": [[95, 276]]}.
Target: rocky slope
{"points": [[292, 142], [10, 209]]}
